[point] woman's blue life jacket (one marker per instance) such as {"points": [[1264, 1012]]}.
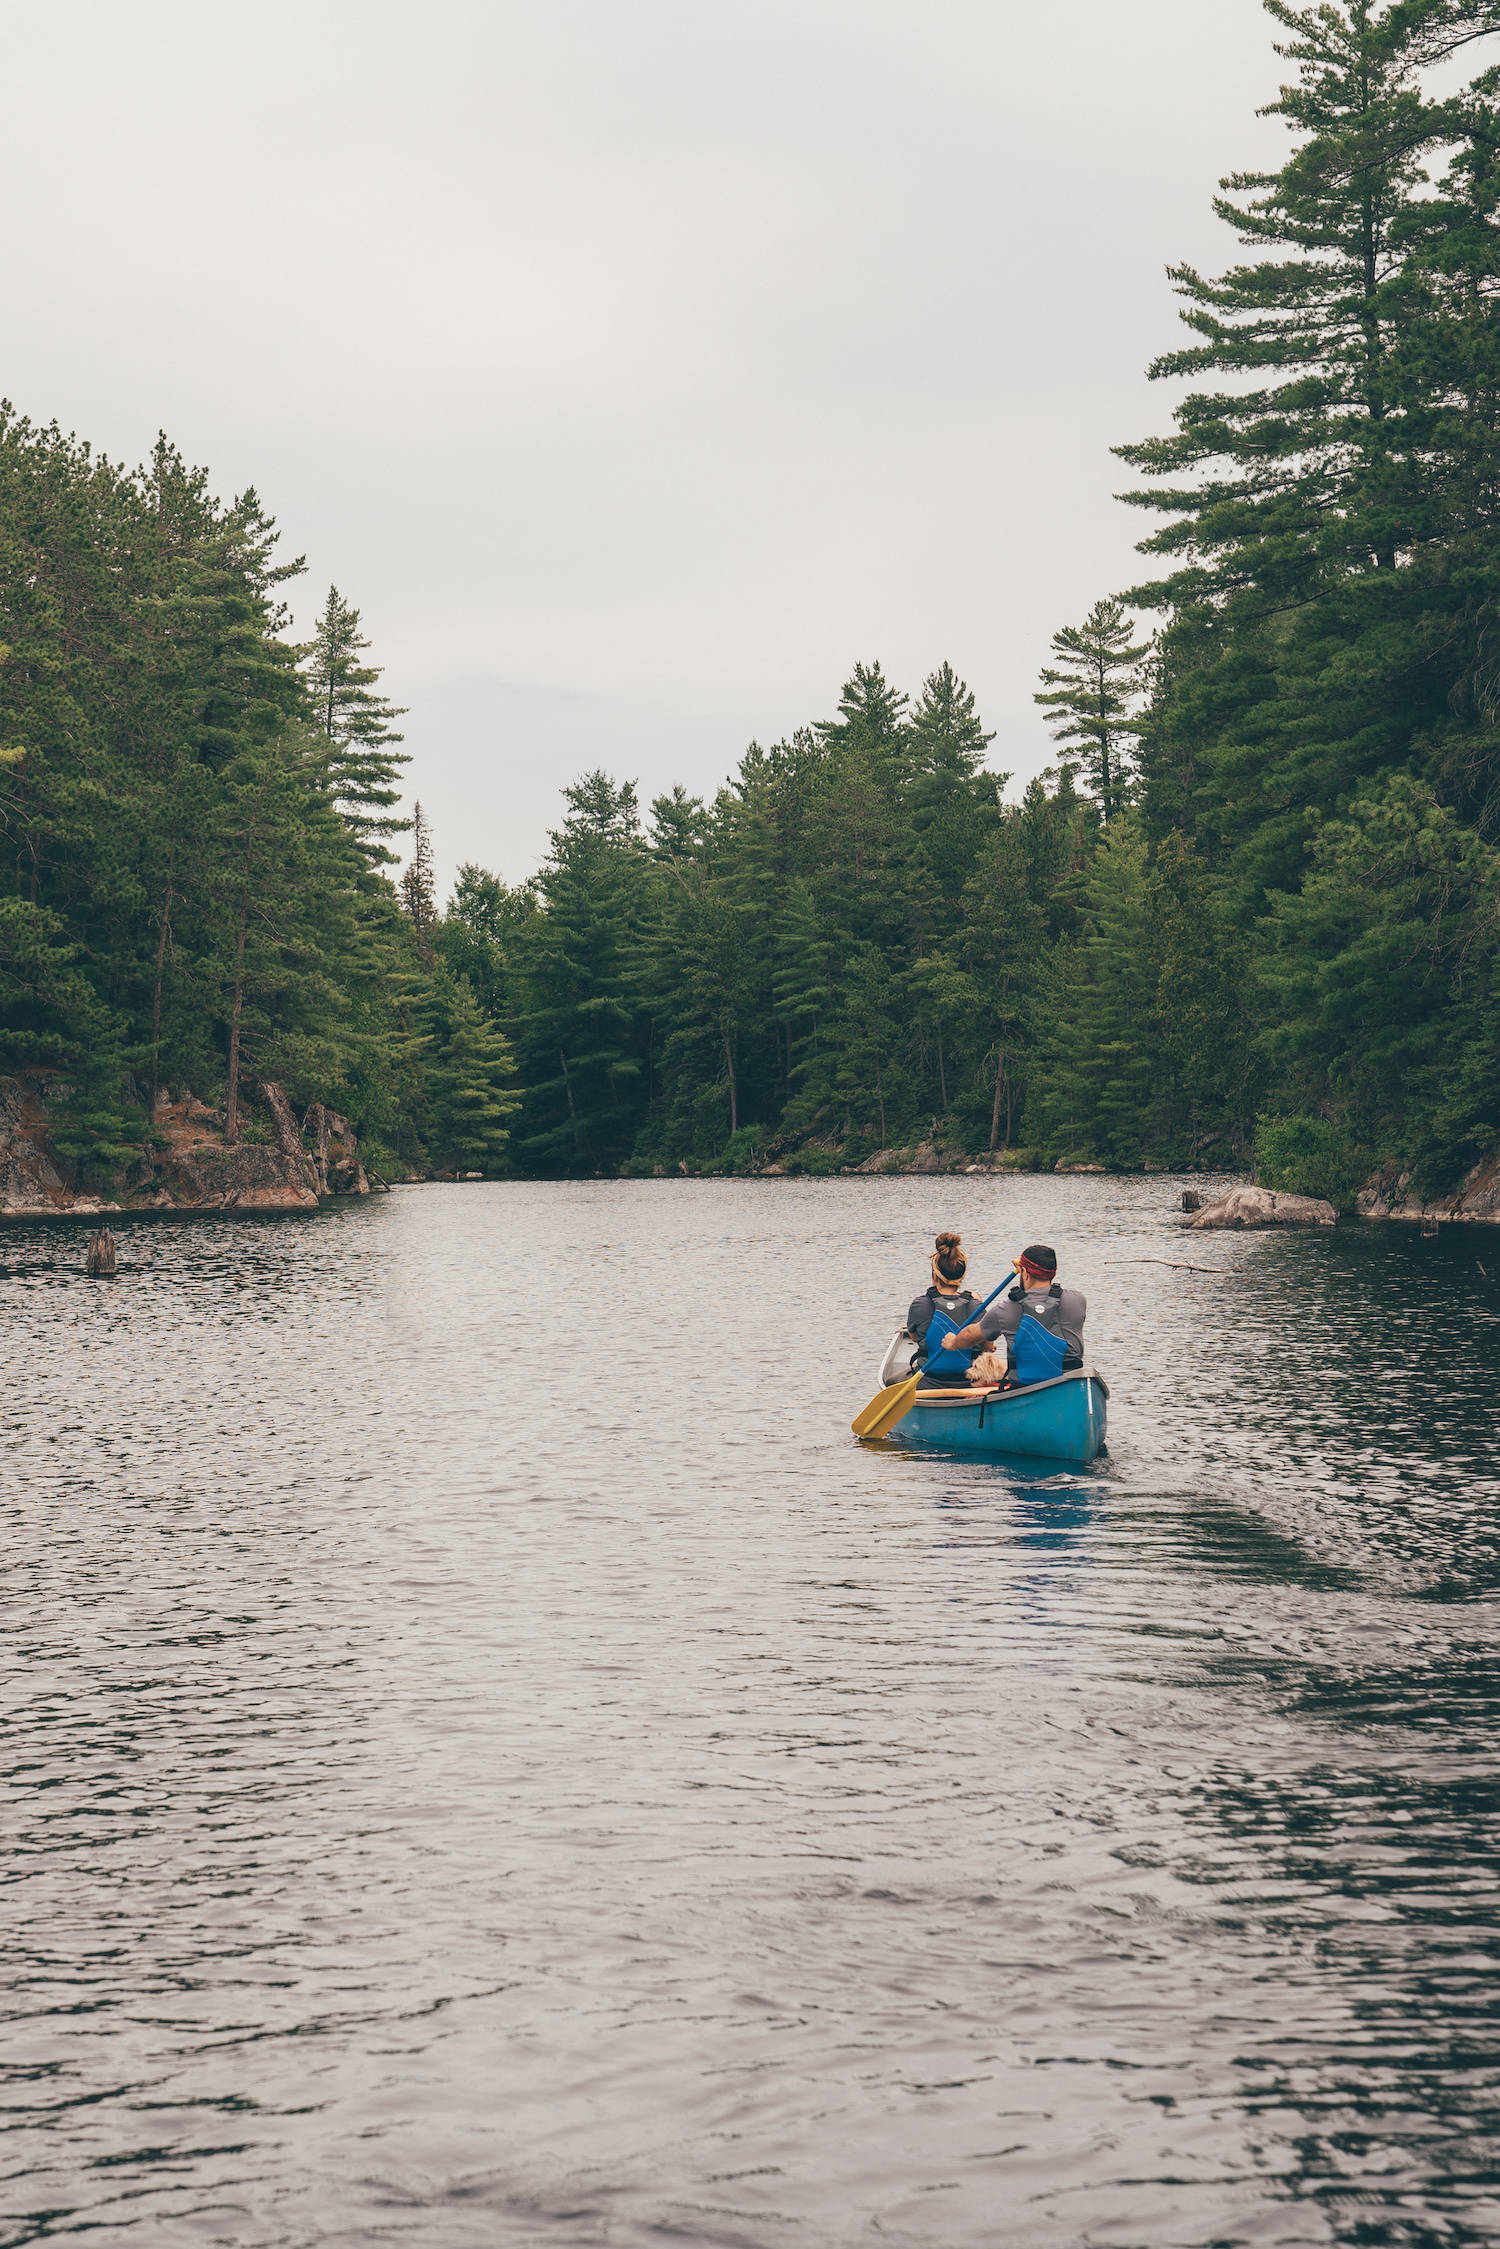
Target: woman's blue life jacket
{"points": [[951, 1363], [1037, 1352]]}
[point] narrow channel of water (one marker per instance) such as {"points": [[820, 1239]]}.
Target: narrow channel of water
{"points": [[488, 1760]]}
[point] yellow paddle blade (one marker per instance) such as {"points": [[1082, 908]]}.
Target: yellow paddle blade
{"points": [[883, 1413]]}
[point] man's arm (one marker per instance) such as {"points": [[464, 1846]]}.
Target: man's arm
{"points": [[1001, 1319]]}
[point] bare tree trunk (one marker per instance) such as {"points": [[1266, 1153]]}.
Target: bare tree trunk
{"points": [[942, 1073], [572, 1112], [316, 1122], [734, 1106], [161, 955], [232, 1097], [880, 1098], [995, 1112]]}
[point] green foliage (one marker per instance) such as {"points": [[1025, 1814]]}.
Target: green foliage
{"points": [[1310, 1156], [481, 934], [744, 1152], [470, 1080], [1268, 881], [417, 891], [1099, 1089], [1380, 975], [190, 808], [94, 1131], [582, 1031], [364, 765], [1090, 692], [812, 1163]]}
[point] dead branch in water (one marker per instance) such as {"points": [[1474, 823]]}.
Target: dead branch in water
{"points": [[1175, 1263]]}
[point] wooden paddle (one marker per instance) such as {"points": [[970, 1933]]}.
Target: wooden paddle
{"points": [[893, 1403]]}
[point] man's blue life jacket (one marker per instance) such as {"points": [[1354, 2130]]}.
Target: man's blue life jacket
{"points": [[1038, 1354], [1038, 1349]]}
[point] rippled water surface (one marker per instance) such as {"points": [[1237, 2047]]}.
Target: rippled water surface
{"points": [[488, 1759]]}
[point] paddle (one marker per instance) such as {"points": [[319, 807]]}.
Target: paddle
{"points": [[894, 1402]]}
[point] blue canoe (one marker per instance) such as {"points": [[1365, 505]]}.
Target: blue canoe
{"points": [[1058, 1420]]}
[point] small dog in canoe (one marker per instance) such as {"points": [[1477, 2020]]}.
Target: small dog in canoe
{"points": [[989, 1367]]}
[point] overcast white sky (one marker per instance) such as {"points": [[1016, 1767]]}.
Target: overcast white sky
{"points": [[634, 365]]}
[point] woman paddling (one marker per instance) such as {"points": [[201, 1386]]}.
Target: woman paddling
{"points": [[942, 1370]]}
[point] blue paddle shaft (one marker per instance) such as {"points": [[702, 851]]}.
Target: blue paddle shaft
{"points": [[973, 1316]]}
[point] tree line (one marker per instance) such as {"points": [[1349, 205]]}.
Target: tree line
{"points": [[196, 813], [1252, 908], [1256, 906]]}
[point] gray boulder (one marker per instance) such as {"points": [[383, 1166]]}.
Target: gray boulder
{"points": [[1261, 1206]]}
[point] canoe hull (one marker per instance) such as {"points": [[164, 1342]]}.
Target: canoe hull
{"points": [[1063, 1419]]}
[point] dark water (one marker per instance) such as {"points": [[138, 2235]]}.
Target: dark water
{"points": [[489, 1761]]}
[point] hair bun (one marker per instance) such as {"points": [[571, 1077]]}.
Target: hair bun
{"points": [[948, 1241]]}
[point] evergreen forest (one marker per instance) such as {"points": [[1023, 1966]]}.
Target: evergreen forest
{"points": [[1251, 912]]}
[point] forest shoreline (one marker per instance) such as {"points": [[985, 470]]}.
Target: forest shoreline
{"points": [[1383, 1200]]}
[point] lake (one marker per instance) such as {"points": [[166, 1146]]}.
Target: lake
{"points": [[489, 1760]]}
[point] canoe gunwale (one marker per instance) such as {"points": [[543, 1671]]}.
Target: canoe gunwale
{"points": [[997, 1398]]}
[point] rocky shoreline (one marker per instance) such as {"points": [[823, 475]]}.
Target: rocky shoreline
{"points": [[279, 1164], [1387, 1195], [275, 1165]]}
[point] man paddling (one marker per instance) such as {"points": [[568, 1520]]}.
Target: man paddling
{"points": [[1061, 1311]]}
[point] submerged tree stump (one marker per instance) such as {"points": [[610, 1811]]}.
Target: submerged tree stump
{"points": [[100, 1263]]}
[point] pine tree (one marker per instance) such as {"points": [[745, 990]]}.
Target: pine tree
{"points": [[363, 762], [1090, 692], [1021, 907], [1099, 1090], [1333, 489], [869, 1076], [803, 984], [483, 934], [872, 713], [952, 804], [1203, 1029], [702, 961], [418, 894], [583, 1022], [1382, 973], [470, 1075]]}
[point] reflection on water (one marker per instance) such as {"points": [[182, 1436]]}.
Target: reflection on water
{"points": [[469, 1785]]}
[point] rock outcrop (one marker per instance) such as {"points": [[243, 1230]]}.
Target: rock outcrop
{"points": [[30, 1182], [191, 1167], [1261, 1206], [1475, 1202], [927, 1160], [335, 1152]]}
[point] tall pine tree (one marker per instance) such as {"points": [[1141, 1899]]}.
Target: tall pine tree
{"points": [[364, 764]]}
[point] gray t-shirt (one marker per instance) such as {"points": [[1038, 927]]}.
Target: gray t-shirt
{"points": [[1004, 1318]]}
